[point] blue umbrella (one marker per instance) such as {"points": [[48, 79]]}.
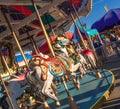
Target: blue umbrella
{"points": [[112, 17]]}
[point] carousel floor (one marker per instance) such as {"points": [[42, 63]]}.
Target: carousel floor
{"points": [[92, 91]]}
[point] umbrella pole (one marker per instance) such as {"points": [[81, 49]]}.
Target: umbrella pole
{"points": [[14, 36], [53, 32], [80, 35], [43, 28], [7, 92], [32, 41], [11, 55]]}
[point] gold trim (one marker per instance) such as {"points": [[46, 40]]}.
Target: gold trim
{"points": [[113, 79]]}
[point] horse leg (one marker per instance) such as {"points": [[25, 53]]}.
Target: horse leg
{"points": [[53, 85], [93, 62], [66, 78], [75, 80], [82, 72], [75, 67], [48, 91]]}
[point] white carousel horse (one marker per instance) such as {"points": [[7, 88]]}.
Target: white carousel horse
{"points": [[88, 55], [62, 51], [68, 64], [91, 60], [45, 89], [51, 67], [48, 69]]}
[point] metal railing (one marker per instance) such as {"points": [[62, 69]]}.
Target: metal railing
{"points": [[109, 49]]}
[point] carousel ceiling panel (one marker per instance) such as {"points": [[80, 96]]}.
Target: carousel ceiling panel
{"points": [[2, 28], [29, 15], [54, 13], [24, 2], [8, 38]]}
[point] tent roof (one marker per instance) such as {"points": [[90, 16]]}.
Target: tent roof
{"points": [[111, 18]]}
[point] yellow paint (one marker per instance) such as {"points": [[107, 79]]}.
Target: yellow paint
{"points": [[106, 92]]}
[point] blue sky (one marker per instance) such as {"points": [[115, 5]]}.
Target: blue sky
{"points": [[98, 10]]}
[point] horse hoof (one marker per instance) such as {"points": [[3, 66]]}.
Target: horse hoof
{"points": [[77, 86], [45, 105], [56, 93], [98, 75], [66, 78], [57, 103], [80, 76]]}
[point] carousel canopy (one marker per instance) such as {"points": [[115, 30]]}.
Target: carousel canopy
{"points": [[111, 18], [23, 19]]}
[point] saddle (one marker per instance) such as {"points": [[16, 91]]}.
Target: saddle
{"points": [[35, 61], [56, 67], [67, 62]]}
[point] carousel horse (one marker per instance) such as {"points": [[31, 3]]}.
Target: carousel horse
{"points": [[88, 61], [87, 53], [67, 63], [42, 75], [63, 48], [81, 53]]}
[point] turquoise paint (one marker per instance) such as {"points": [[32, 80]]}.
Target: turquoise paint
{"points": [[90, 32], [91, 90], [32, 8]]}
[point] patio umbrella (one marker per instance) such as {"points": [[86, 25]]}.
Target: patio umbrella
{"points": [[111, 18]]}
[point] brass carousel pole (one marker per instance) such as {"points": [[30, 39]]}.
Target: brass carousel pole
{"points": [[88, 38], [11, 54], [43, 28], [90, 42], [52, 30], [80, 35], [14, 36], [7, 92], [5, 63], [45, 104], [32, 41]]}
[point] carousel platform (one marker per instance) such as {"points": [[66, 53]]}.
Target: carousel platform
{"points": [[93, 92]]}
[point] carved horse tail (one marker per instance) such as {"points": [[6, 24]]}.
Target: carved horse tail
{"points": [[36, 84]]}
